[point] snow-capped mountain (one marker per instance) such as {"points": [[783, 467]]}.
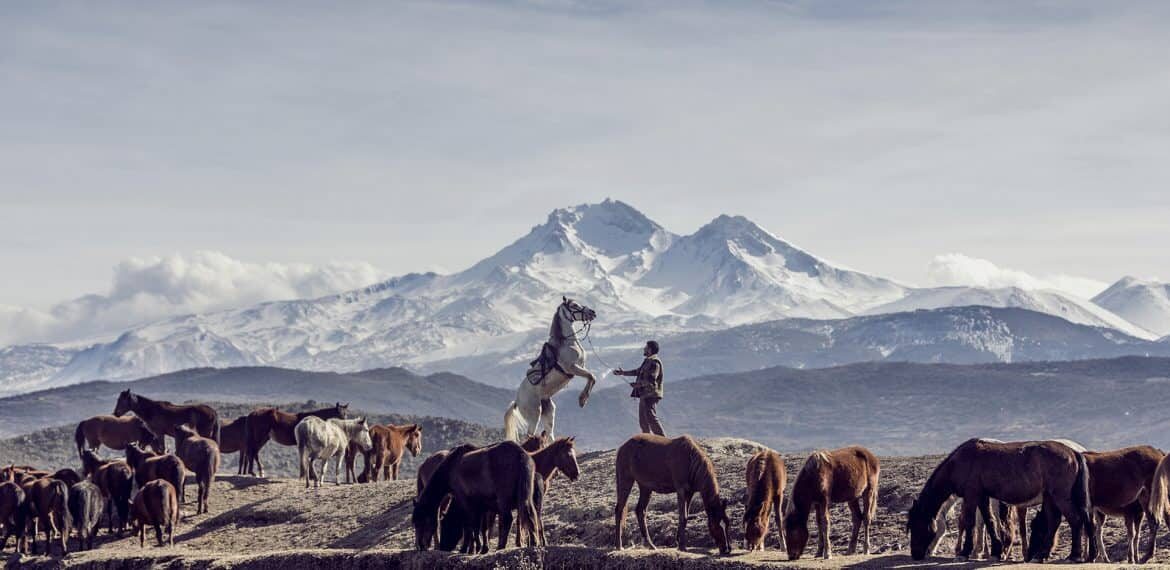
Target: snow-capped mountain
{"points": [[1051, 302], [642, 280], [1144, 303]]}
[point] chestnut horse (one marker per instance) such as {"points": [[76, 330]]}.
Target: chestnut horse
{"points": [[200, 455], [500, 477], [271, 423], [12, 514], [48, 502], [1159, 504], [115, 479], [1015, 473], [765, 481], [156, 504], [148, 467], [231, 440], [1119, 485], [661, 465], [115, 433], [847, 475], [390, 443]]}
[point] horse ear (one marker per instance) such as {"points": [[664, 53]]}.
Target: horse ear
{"points": [[564, 299]]}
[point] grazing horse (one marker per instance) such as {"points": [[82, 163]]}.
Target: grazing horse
{"points": [[12, 514], [561, 358], [847, 475], [156, 504], [979, 470], [325, 439], [271, 423], [148, 467], [765, 481], [661, 465], [390, 442], [501, 477], [200, 455], [48, 502], [86, 504], [163, 417], [231, 440], [115, 479], [115, 433], [1119, 485]]}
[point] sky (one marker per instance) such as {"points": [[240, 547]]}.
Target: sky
{"points": [[204, 155]]}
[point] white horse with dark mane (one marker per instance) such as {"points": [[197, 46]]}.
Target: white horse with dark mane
{"points": [[319, 439], [560, 359]]}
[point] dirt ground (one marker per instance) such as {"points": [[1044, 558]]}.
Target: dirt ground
{"points": [[277, 523]]}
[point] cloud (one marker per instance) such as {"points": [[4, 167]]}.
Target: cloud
{"points": [[146, 289], [959, 269]]}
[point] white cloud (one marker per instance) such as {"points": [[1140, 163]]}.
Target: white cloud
{"points": [[959, 269], [145, 289]]}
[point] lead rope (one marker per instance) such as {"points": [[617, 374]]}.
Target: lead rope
{"points": [[596, 353]]}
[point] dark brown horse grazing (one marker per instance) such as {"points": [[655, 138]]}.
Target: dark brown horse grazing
{"points": [[390, 443], [661, 465], [148, 467], [270, 423], [1014, 473], [48, 501], [115, 479], [163, 417], [115, 433], [200, 455], [765, 482], [86, 504], [12, 514], [231, 440], [847, 475], [500, 477], [156, 504]]}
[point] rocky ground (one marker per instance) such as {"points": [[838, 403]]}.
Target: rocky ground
{"points": [[277, 523]]}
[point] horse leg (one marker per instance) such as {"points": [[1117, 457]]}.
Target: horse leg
{"points": [[989, 525], [1152, 522], [506, 527], [967, 525], [1133, 527], [394, 470], [826, 546], [684, 503], [576, 370], [548, 415], [1021, 525], [940, 524], [640, 510], [855, 513], [624, 486]]}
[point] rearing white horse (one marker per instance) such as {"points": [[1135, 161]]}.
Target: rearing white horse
{"points": [[561, 358]]}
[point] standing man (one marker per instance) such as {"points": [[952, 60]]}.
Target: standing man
{"points": [[647, 388]]}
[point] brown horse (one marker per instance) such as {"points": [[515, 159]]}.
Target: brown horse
{"points": [[157, 505], [115, 479], [270, 423], [48, 502], [1015, 473], [163, 417], [765, 481], [86, 504], [231, 440], [67, 476], [390, 443], [12, 514], [200, 455], [847, 475], [1159, 504], [500, 477], [148, 467], [661, 465], [115, 433], [1119, 485]]}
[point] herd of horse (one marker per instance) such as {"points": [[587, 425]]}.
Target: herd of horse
{"points": [[466, 492]]}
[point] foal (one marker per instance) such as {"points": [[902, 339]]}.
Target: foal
{"points": [[156, 504], [847, 475], [200, 455], [766, 478], [148, 467], [390, 442]]}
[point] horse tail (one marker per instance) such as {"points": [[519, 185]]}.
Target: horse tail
{"points": [[525, 508], [215, 427], [302, 446], [79, 438], [1081, 498], [514, 423]]}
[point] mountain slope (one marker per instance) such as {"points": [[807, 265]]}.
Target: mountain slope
{"points": [[1144, 303]]}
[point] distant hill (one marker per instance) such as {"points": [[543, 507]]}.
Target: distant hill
{"points": [[388, 390], [53, 448], [902, 408]]}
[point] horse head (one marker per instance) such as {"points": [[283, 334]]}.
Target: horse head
{"points": [[125, 403], [566, 458], [719, 524], [361, 434], [921, 526], [576, 311], [342, 410], [425, 521], [414, 440]]}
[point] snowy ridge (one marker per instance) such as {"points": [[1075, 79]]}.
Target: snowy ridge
{"points": [[1144, 303], [642, 279]]}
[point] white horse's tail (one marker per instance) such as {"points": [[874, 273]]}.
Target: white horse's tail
{"points": [[514, 423]]}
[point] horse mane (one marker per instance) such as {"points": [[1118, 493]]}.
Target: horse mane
{"points": [[303, 415], [758, 487], [439, 484], [702, 472], [556, 331]]}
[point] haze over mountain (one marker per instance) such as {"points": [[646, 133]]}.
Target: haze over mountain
{"points": [[643, 280]]}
